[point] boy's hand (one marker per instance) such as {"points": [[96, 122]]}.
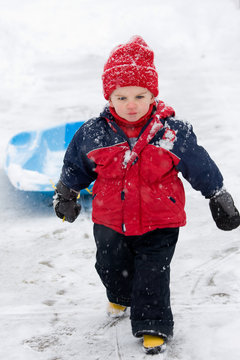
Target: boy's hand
{"points": [[224, 212], [65, 203]]}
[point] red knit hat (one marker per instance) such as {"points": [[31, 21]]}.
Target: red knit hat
{"points": [[130, 64]]}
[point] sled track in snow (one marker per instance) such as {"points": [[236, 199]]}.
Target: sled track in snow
{"points": [[210, 269], [118, 348], [204, 275], [107, 333]]}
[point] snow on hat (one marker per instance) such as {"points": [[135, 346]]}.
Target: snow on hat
{"points": [[130, 64]]}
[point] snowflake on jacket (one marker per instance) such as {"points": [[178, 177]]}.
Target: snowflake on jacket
{"points": [[137, 189]]}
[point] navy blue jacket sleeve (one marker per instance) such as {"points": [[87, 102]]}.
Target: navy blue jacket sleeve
{"points": [[78, 170], [195, 164]]}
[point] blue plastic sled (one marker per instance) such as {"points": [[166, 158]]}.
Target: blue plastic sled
{"points": [[34, 159]]}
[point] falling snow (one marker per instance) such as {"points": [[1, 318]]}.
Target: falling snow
{"points": [[52, 54]]}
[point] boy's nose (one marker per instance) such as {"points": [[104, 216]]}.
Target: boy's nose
{"points": [[131, 105]]}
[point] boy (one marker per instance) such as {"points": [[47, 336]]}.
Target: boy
{"points": [[134, 151]]}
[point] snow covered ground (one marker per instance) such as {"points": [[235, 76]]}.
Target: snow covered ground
{"points": [[52, 304]]}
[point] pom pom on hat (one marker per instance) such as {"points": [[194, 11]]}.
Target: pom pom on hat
{"points": [[130, 64]]}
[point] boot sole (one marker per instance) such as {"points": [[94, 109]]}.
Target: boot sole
{"points": [[155, 350]]}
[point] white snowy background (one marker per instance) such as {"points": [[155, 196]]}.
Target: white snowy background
{"points": [[52, 304]]}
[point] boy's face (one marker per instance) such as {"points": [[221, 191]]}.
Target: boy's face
{"points": [[131, 102]]}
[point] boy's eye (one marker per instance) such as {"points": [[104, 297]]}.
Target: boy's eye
{"points": [[121, 98]]}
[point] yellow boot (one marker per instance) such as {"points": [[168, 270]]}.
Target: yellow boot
{"points": [[115, 310], [153, 344]]}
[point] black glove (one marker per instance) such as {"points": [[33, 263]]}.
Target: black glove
{"points": [[65, 203], [224, 212]]}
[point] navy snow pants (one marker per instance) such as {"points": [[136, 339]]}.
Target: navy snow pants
{"points": [[136, 272]]}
